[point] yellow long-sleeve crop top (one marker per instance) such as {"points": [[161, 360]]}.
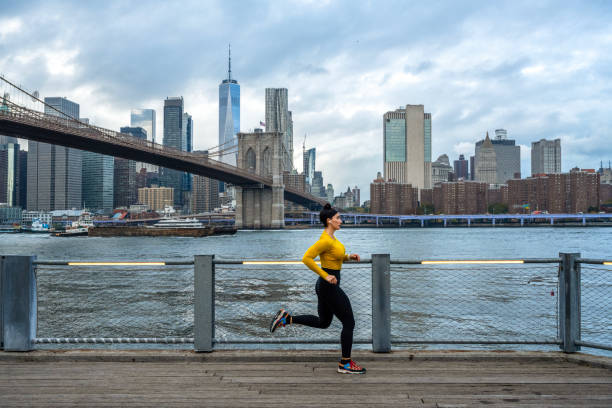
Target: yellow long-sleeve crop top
{"points": [[329, 250]]}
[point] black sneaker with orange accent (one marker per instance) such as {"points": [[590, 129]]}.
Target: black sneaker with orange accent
{"points": [[350, 368], [282, 318]]}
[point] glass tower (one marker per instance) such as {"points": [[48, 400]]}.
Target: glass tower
{"points": [[144, 118], [229, 116], [55, 172], [98, 180], [174, 137]]}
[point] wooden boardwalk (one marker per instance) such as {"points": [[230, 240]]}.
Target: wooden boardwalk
{"points": [[302, 379]]}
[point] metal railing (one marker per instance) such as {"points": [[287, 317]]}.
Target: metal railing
{"points": [[208, 302]]}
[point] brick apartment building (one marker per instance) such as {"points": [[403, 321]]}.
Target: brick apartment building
{"points": [[572, 192], [389, 197]]}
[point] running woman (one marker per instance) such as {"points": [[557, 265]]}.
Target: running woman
{"points": [[331, 298]]}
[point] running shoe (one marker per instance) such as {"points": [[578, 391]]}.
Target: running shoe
{"points": [[350, 368], [281, 319]]}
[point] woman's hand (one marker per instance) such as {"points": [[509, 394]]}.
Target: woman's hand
{"points": [[331, 279], [354, 257]]}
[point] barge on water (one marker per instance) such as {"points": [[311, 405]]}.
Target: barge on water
{"points": [[170, 227]]}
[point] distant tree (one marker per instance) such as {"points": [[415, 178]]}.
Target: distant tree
{"points": [[425, 209], [498, 208], [593, 209]]}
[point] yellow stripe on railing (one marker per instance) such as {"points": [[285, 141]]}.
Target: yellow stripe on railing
{"points": [[472, 262], [116, 263], [275, 262], [607, 263]]}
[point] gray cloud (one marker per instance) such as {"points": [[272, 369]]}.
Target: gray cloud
{"points": [[539, 70]]}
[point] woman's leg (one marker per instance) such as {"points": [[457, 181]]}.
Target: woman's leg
{"points": [[326, 314], [341, 307]]}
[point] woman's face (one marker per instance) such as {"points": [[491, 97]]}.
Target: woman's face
{"points": [[335, 221]]}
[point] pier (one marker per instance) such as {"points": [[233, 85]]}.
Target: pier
{"points": [[303, 379], [526, 331]]}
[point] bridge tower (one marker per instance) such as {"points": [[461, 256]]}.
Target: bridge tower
{"points": [[257, 206]]}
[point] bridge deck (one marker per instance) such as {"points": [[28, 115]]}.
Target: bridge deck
{"points": [[304, 379]]}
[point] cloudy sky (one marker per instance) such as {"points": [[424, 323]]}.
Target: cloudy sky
{"points": [[538, 69]]}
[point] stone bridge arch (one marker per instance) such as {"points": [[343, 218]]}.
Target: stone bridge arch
{"points": [[257, 206]]}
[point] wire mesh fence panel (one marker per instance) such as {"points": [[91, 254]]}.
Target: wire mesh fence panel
{"points": [[115, 301], [596, 304], [474, 302], [248, 296]]}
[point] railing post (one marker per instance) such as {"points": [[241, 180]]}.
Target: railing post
{"points": [[569, 302], [204, 303], [17, 303], [381, 303]]}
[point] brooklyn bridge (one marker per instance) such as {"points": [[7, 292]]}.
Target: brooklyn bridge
{"points": [[257, 177]]}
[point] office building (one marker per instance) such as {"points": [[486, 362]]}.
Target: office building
{"points": [[157, 198], [98, 182], [144, 118], [407, 146], [23, 178], [472, 167], [507, 156], [389, 197], [605, 173], [317, 188], [174, 137], [461, 168], [229, 117], [356, 191], [309, 164], [55, 172], [4, 140], [278, 120], [10, 182], [329, 192], [546, 157], [205, 193], [440, 170], [486, 162], [186, 185], [295, 181], [125, 188]]}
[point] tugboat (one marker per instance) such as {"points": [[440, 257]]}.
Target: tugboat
{"points": [[75, 230]]}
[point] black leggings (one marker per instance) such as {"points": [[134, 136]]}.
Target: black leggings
{"points": [[332, 301]]}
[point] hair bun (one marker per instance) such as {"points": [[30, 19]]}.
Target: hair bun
{"points": [[327, 206]]}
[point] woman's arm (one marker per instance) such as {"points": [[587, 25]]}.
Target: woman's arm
{"points": [[309, 257]]}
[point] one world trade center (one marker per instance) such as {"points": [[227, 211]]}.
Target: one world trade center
{"points": [[229, 118]]}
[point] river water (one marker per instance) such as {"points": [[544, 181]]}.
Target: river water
{"points": [[474, 303]]}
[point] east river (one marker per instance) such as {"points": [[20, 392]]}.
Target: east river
{"points": [[475, 302]]}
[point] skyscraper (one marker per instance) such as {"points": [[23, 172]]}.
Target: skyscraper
{"points": [[55, 172], [125, 172], [229, 116], [461, 168], [205, 194], [508, 156], [407, 146], [318, 188], [188, 146], [278, 119], [9, 174], [546, 157], [98, 182], [173, 137], [144, 118], [309, 164], [486, 162]]}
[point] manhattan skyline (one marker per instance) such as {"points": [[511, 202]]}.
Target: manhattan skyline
{"points": [[538, 71]]}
